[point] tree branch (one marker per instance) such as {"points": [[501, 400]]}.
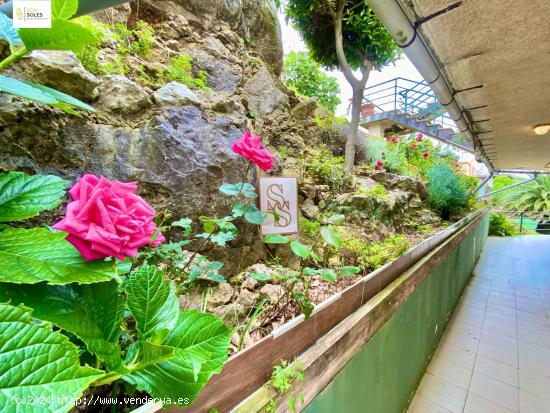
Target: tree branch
{"points": [[339, 40]]}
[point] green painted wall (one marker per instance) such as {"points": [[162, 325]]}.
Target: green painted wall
{"points": [[383, 375]]}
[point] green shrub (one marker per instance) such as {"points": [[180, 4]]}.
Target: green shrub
{"points": [[371, 256], [446, 193], [325, 168], [309, 228], [501, 226], [138, 41], [380, 150], [331, 129], [378, 192]]}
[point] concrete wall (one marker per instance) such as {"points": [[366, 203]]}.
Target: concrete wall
{"points": [[383, 375]]}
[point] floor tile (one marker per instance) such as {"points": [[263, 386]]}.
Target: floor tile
{"points": [[442, 392], [478, 404], [499, 352], [538, 384], [448, 370], [495, 391], [496, 370], [421, 404], [531, 403]]}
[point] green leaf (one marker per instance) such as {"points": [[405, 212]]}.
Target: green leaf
{"points": [[248, 190], [23, 196], [215, 276], [222, 238], [37, 363], [41, 94], [7, 31], [331, 236], [30, 256], [154, 353], [93, 313], [260, 276], [337, 219], [238, 209], [348, 271], [62, 98], [275, 239], [309, 272], [152, 301], [202, 342], [63, 35], [229, 189], [254, 215], [185, 224], [299, 249], [64, 9], [327, 274]]}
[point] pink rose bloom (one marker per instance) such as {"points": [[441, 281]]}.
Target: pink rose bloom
{"points": [[378, 165], [108, 219], [413, 145], [426, 154], [419, 137], [251, 148]]}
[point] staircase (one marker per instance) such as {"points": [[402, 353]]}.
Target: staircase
{"points": [[414, 107]]}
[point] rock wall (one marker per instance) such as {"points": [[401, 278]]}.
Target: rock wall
{"points": [[174, 141]]}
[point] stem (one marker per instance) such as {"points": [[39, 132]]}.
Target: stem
{"points": [[13, 58], [114, 395]]}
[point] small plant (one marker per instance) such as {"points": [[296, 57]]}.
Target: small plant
{"points": [[501, 226], [282, 378], [180, 70], [370, 256], [378, 192], [325, 168], [446, 193]]}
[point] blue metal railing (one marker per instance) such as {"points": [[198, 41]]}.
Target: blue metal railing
{"points": [[412, 98]]}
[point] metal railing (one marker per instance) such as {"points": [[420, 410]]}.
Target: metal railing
{"points": [[527, 221], [412, 98]]}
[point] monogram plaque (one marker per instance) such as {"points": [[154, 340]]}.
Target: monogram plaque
{"points": [[279, 199]]}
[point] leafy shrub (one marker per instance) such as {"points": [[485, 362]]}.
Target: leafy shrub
{"points": [[533, 196], [331, 130], [469, 183], [371, 256], [303, 75], [380, 150], [138, 41], [325, 168], [309, 228], [501, 226], [378, 192], [446, 193]]}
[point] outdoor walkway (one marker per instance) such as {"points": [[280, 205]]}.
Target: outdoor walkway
{"points": [[495, 353]]}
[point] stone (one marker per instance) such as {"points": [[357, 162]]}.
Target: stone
{"points": [[221, 294], [262, 95], [304, 109], [247, 298], [254, 20], [60, 70], [215, 47], [175, 93], [249, 284], [404, 183], [415, 203], [309, 209], [118, 94], [273, 292], [222, 75], [230, 313], [365, 183]]}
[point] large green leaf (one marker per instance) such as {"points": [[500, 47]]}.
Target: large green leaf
{"points": [[38, 364], [21, 89], [152, 301], [30, 256], [202, 343], [23, 196], [64, 9], [331, 236], [7, 31], [62, 97], [300, 250], [91, 312], [63, 35]]}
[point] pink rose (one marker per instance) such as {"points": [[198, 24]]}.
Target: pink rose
{"points": [[413, 145], [251, 148], [419, 137], [108, 219], [378, 165], [426, 154]]}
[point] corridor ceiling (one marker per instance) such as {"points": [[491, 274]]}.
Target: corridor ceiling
{"points": [[503, 46]]}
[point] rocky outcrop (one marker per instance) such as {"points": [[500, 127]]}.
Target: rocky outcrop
{"points": [[175, 93], [120, 95]]}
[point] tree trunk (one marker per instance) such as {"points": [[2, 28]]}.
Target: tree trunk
{"points": [[133, 16], [352, 141]]}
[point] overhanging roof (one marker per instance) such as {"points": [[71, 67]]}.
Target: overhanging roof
{"points": [[505, 47]]}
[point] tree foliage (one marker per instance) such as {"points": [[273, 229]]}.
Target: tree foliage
{"points": [[304, 75], [533, 196], [364, 35], [446, 192]]}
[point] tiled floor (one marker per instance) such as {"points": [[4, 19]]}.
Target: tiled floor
{"points": [[495, 354]]}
